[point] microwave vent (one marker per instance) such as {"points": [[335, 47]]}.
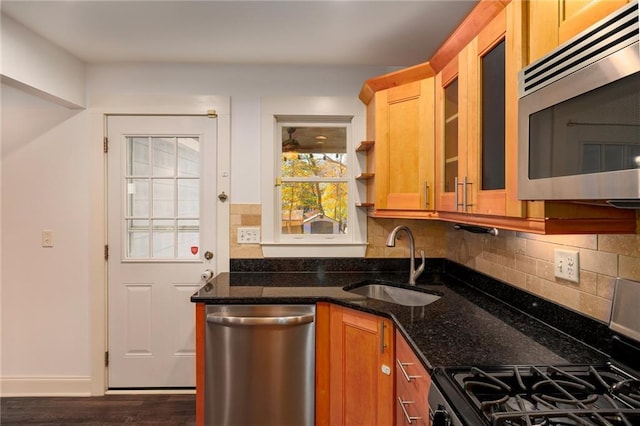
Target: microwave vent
{"points": [[611, 34]]}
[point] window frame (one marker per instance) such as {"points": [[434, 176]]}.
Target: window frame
{"points": [[310, 111]]}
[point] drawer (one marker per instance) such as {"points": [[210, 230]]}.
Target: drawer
{"points": [[412, 386]]}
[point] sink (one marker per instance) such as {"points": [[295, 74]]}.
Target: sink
{"points": [[391, 293]]}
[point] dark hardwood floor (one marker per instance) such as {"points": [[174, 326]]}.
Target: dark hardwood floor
{"points": [[103, 410]]}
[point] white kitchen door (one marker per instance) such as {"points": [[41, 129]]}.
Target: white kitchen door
{"points": [[161, 230]]}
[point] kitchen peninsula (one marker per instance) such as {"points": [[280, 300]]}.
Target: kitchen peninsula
{"points": [[468, 325]]}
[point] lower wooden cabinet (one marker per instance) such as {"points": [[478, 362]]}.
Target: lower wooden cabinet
{"points": [[361, 372], [359, 357], [412, 386]]}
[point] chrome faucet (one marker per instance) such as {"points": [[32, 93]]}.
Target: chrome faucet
{"points": [[391, 242]]}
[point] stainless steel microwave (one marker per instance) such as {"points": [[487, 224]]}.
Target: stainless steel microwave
{"points": [[579, 117]]}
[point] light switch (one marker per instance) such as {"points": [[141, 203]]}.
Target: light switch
{"points": [[47, 238]]}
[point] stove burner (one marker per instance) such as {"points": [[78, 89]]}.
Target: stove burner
{"points": [[518, 403], [553, 396]]}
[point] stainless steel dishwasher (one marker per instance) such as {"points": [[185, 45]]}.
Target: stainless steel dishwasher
{"points": [[260, 365]]}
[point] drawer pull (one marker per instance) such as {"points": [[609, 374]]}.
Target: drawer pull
{"points": [[404, 410], [404, 372]]}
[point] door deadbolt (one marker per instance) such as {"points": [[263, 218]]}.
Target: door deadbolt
{"points": [[223, 197], [208, 255]]}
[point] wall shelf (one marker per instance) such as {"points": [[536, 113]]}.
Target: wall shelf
{"points": [[365, 176], [365, 146]]}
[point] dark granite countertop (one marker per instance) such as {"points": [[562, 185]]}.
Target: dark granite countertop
{"points": [[464, 327]]}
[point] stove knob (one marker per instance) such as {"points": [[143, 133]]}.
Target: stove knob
{"points": [[441, 417]]}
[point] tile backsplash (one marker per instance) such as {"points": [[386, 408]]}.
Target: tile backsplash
{"points": [[519, 259], [244, 215], [526, 261], [429, 236]]}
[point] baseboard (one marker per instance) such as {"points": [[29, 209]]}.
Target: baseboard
{"points": [[45, 386]]}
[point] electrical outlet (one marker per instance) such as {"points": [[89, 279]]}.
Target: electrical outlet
{"points": [[248, 235], [567, 264]]}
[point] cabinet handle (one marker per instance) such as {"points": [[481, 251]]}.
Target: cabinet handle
{"points": [[426, 195], [462, 204], [465, 205], [455, 191], [382, 345], [404, 372], [404, 410]]}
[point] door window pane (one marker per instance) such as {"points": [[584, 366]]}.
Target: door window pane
{"points": [[163, 201], [188, 238], [137, 239], [164, 158], [188, 157], [163, 236], [138, 156], [188, 197], [138, 197], [162, 210]]}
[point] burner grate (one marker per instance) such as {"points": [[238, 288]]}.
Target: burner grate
{"points": [[557, 417], [551, 395]]}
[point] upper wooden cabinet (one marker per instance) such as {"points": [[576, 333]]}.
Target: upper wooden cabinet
{"points": [[552, 22], [458, 115], [475, 119], [404, 152]]}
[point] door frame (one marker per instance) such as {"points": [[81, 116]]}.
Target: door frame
{"points": [[104, 106]]}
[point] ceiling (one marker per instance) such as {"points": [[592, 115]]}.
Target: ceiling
{"points": [[301, 32]]}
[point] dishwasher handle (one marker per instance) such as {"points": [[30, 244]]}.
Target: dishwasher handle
{"points": [[260, 320]]}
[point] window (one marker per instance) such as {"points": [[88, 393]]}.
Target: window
{"points": [[314, 180], [309, 192]]}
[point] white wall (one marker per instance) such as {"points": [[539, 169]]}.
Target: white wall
{"points": [[35, 65], [245, 84], [51, 179], [45, 309]]}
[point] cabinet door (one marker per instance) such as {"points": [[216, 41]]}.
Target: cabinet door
{"points": [[578, 15], [412, 386], [450, 141], [471, 124], [476, 112], [554, 22], [361, 379], [484, 72], [405, 147], [488, 119]]}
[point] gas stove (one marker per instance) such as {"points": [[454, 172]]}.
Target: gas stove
{"points": [[606, 394], [544, 395]]}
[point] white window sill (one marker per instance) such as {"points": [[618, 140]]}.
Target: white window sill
{"points": [[313, 249]]}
